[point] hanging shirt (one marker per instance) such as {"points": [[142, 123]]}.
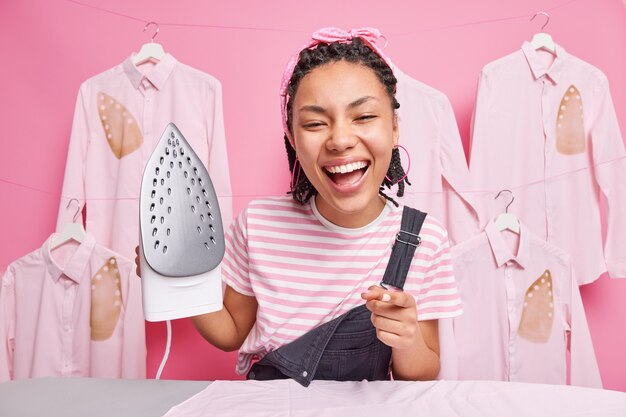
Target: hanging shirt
{"points": [[548, 132], [439, 176], [74, 311], [305, 271], [119, 118], [521, 312]]}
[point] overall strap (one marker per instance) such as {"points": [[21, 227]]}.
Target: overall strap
{"points": [[407, 240]]}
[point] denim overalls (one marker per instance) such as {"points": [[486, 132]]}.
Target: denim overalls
{"points": [[345, 348]]}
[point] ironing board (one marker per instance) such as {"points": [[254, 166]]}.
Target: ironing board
{"points": [[80, 397]]}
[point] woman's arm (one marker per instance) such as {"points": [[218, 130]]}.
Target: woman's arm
{"points": [[227, 329], [421, 361], [415, 344]]}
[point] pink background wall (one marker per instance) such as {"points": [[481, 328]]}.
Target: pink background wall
{"points": [[49, 47]]}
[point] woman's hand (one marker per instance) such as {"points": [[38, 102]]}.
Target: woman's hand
{"points": [[394, 315], [414, 344], [137, 267]]}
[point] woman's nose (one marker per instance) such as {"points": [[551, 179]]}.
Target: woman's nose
{"points": [[341, 137]]}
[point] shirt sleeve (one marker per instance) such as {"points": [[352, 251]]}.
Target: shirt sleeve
{"points": [[75, 167], [7, 325], [134, 341], [235, 270], [610, 170], [438, 296], [218, 157], [448, 357], [462, 216], [480, 159], [480, 120], [584, 367]]}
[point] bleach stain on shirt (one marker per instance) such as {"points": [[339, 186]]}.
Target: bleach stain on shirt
{"points": [[106, 300], [570, 126], [538, 313], [120, 126]]}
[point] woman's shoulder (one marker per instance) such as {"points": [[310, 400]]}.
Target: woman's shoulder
{"points": [[432, 226], [275, 206], [277, 203]]}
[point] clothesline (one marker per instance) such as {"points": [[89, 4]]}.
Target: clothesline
{"points": [[266, 29], [407, 191]]}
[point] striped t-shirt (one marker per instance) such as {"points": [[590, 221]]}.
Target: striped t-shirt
{"points": [[305, 271]]}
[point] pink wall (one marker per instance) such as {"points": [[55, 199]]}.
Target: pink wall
{"points": [[50, 47]]}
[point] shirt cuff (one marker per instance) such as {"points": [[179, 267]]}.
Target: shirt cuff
{"points": [[617, 269]]}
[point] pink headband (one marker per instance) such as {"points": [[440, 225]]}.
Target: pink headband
{"points": [[326, 35]]}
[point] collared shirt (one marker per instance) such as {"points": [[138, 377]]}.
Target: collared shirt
{"points": [[71, 311], [548, 132], [439, 176], [119, 118], [522, 310]]}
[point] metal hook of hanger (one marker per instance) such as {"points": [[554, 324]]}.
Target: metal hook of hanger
{"points": [[506, 210], [77, 210], [155, 33], [386, 41], [547, 20]]}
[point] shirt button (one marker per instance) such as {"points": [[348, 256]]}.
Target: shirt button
{"points": [[305, 374]]}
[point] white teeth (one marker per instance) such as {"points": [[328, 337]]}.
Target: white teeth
{"points": [[342, 169]]}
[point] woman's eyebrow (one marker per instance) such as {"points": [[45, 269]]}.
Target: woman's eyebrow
{"points": [[358, 102], [313, 108], [321, 110]]}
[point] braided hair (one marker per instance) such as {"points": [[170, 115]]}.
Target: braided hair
{"points": [[356, 52]]}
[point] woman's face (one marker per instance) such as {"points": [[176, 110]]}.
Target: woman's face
{"points": [[344, 130]]}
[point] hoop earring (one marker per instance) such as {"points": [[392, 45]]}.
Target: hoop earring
{"points": [[292, 184], [406, 173]]}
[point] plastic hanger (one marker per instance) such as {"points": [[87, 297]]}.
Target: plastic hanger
{"points": [[543, 40], [151, 50], [71, 231], [506, 220]]}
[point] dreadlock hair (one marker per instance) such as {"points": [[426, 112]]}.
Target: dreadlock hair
{"points": [[356, 52]]}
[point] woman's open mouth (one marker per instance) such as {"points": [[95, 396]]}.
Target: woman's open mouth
{"points": [[348, 175]]}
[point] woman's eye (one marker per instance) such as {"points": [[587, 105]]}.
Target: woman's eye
{"points": [[312, 125], [366, 117]]}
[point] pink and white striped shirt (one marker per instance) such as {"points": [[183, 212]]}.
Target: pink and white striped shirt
{"points": [[304, 270]]}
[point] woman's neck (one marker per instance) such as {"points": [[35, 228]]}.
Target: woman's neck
{"points": [[350, 220]]}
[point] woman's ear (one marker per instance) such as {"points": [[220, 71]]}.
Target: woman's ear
{"points": [[396, 129]]}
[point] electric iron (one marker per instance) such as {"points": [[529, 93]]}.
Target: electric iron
{"points": [[181, 233]]}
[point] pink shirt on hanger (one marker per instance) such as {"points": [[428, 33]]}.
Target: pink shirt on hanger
{"points": [[73, 311], [545, 128], [522, 311], [439, 174], [119, 118]]}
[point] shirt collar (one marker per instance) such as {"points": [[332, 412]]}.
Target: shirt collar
{"points": [[500, 249], [538, 67], [157, 75], [75, 266]]}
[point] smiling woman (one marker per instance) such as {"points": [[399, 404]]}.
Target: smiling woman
{"points": [[308, 277], [344, 130], [379, 79]]}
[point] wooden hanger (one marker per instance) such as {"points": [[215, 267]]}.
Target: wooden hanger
{"points": [[506, 220], [151, 50], [71, 231], [543, 40]]}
